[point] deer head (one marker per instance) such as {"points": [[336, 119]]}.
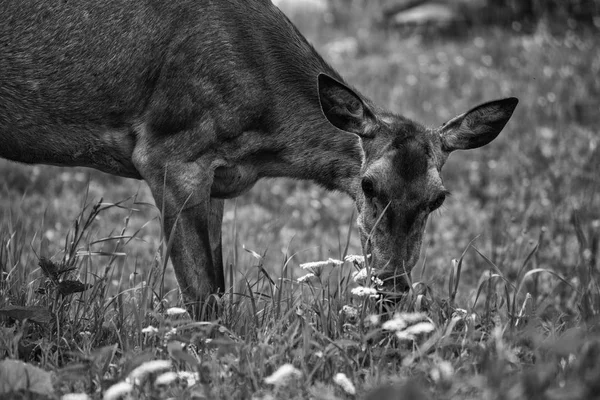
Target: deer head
{"points": [[400, 182]]}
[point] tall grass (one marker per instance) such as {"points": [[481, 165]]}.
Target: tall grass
{"points": [[504, 302]]}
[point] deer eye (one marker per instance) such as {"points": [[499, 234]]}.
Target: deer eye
{"points": [[368, 187], [437, 203]]}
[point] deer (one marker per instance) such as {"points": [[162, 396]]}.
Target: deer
{"points": [[200, 99]]}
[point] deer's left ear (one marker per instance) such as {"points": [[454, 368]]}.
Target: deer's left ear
{"points": [[477, 127], [343, 108]]}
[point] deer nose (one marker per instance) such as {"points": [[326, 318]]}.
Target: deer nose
{"points": [[396, 285]]}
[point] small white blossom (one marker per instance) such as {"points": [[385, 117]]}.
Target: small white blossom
{"points": [[442, 372], [319, 354], [138, 375], [362, 291], [174, 311], [170, 333], [283, 375], [459, 313], [373, 319], [190, 377], [411, 332], [353, 258], [345, 383], [377, 281], [350, 311], [394, 324], [166, 378], [306, 277], [75, 396], [118, 390], [360, 276], [150, 330], [321, 264]]}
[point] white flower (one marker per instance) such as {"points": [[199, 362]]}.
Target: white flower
{"points": [[408, 325], [174, 311], [360, 276], [117, 390], [166, 378], [321, 264], [75, 396], [394, 324], [350, 311], [283, 375], [373, 319], [408, 318], [306, 277], [363, 291], [138, 375], [442, 372], [377, 281], [342, 380], [412, 331], [353, 258], [170, 333], [459, 313], [190, 377], [150, 330]]}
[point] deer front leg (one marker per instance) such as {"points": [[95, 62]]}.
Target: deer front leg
{"points": [[192, 221], [215, 224]]}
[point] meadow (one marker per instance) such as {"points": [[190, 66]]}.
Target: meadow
{"points": [[505, 298]]}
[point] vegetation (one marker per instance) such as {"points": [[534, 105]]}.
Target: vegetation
{"points": [[505, 299]]}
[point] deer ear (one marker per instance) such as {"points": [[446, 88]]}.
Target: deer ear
{"points": [[343, 108], [477, 127]]}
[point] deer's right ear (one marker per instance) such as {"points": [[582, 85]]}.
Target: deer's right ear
{"points": [[343, 108]]}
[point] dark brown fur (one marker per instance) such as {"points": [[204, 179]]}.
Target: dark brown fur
{"points": [[201, 99]]}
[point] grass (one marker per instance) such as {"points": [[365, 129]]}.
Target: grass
{"points": [[505, 299]]}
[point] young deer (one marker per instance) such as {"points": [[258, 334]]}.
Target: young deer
{"points": [[201, 99]]}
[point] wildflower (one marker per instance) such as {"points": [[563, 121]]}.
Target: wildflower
{"points": [[376, 281], [459, 313], [138, 375], [165, 379], [319, 354], [283, 375], [412, 331], [321, 264], [306, 277], [174, 311], [442, 372], [85, 334], [75, 396], [342, 380], [363, 291], [395, 324], [360, 276], [189, 377], [372, 319], [118, 390], [410, 318], [170, 333], [353, 258], [350, 311], [150, 330]]}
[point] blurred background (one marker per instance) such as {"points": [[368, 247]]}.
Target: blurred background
{"points": [[539, 182]]}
